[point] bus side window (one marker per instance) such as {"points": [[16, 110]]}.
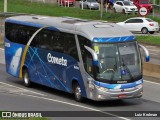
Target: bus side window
{"points": [[86, 55], [35, 41], [10, 32], [70, 45], [40, 40], [55, 42], [18, 33]]}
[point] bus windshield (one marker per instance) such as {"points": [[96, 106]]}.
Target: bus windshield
{"points": [[118, 62]]}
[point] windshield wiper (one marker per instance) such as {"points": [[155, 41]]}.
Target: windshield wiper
{"points": [[114, 68], [124, 65]]}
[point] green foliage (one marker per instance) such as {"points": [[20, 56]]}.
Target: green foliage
{"points": [[25, 6], [148, 39]]}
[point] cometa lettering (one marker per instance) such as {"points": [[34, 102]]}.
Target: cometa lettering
{"points": [[56, 60]]}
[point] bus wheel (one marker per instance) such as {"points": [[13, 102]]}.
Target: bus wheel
{"points": [[77, 93], [26, 78]]}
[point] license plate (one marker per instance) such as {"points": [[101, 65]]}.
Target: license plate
{"points": [[122, 96]]}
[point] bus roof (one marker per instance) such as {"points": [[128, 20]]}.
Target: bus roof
{"points": [[98, 31]]}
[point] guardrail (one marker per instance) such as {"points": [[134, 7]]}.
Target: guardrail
{"points": [[8, 14]]}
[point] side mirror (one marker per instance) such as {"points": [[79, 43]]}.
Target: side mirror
{"points": [[146, 52], [94, 55]]}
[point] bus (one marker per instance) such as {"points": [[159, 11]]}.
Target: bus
{"points": [[97, 60]]}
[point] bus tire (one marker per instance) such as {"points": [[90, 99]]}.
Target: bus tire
{"points": [[26, 78], [77, 93]]}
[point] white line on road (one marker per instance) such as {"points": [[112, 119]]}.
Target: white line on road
{"points": [[23, 89], [152, 82], [76, 105], [1, 49], [154, 53], [153, 50]]}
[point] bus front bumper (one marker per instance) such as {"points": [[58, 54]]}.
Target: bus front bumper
{"points": [[113, 94]]}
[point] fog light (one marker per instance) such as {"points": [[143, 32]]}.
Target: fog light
{"points": [[99, 96], [102, 88]]}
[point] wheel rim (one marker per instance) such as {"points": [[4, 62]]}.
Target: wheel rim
{"points": [[78, 93], [26, 79], [144, 31]]}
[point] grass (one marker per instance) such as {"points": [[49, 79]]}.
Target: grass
{"points": [[1, 40], [24, 6], [148, 39]]}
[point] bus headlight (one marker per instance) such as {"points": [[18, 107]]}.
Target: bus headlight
{"points": [[90, 83], [102, 88]]}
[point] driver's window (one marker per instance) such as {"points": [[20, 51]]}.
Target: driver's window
{"points": [[86, 55]]}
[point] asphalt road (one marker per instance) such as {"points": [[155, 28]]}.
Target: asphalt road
{"points": [[15, 97]]}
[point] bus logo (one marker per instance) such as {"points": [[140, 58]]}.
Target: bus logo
{"points": [[56, 60]]}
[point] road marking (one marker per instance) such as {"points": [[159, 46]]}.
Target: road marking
{"points": [[154, 53], [151, 46], [76, 105], [1, 49], [152, 82], [23, 89], [155, 50]]}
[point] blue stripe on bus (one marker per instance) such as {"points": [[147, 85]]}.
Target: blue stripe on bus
{"points": [[120, 86], [114, 39]]}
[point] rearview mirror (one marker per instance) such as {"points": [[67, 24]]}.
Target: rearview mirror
{"points": [[94, 55], [146, 52]]}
